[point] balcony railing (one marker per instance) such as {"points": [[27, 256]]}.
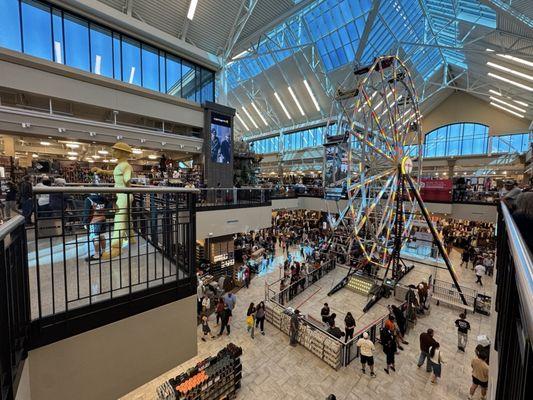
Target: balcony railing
{"points": [[149, 234], [514, 305], [14, 305]]}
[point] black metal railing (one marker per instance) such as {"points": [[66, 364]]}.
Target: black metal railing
{"points": [[95, 248], [514, 307], [14, 305], [232, 198]]}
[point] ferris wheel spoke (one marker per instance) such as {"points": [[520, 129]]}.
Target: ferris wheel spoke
{"points": [[374, 117], [373, 205], [369, 180]]}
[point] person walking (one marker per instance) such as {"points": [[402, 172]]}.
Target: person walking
{"points": [[464, 258], [349, 326], [366, 351], [436, 361], [480, 271], [389, 348], [480, 376], [260, 314], [463, 326], [225, 319], [230, 300], [426, 342], [293, 328], [250, 319], [206, 304], [218, 309], [206, 330]]}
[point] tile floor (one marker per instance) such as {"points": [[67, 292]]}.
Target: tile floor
{"points": [[273, 370]]}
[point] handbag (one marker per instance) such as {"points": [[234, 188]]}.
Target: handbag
{"points": [[249, 320]]}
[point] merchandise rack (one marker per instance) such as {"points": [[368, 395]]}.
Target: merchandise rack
{"points": [[316, 341], [215, 378]]}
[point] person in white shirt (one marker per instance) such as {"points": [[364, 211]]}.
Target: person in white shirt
{"points": [[436, 361], [480, 271], [366, 349]]}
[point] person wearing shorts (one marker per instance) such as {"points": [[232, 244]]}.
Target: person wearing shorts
{"points": [[96, 226], [480, 376], [366, 348]]}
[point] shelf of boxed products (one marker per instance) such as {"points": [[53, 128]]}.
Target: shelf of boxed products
{"points": [[215, 378], [316, 341]]}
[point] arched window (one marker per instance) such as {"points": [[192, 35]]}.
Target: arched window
{"points": [[461, 139]]}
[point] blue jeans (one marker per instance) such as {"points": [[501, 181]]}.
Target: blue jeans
{"points": [[423, 357]]}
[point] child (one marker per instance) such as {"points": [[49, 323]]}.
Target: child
{"points": [[205, 328]]}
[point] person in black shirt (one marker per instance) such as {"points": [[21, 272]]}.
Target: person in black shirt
{"points": [[349, 323], [463, 326], [335, 331], [225, 320]]}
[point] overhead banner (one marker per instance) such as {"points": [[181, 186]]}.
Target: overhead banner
{"points": [[220, 138]]}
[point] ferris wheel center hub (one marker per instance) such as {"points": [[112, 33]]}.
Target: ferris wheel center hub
{"points": [[407, 165]]}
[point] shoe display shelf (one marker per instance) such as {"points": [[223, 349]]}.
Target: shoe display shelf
{"points": [[215, 378]]}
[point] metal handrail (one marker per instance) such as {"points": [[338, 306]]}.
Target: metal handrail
{"points": [[523, 266], [99, 189], [10, 225]]}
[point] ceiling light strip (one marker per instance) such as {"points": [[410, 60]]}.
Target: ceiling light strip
{"points": [[516, 59], [507, 104], [192, 9], [242, 122], [276, 95], [259, 113], [510, 71], [311, 94], [296, 101], [506, 109], [250, 118], [517, 84]]}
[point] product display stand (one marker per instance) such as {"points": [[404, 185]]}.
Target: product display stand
{"points": [[312, 338], [215, 378]]}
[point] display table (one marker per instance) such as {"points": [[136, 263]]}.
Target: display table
{"points": [[217, 377], [313, 339]]}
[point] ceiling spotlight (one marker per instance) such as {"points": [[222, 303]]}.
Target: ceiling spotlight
{"points": [[106, 161], [72, 145], [45, 143], [89, 160], [61, 130], [103, 152], [35, 156], [119, 137], [163, 143], [92, 134], [26, 125], [152, 157], [72, 158], [136, 151], [113, 160], [72, 153], [143, 140], [198, 148], [181, 146], [96, 156]]}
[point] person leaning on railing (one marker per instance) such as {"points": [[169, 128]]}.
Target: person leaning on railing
{"points": [[523, 217]]}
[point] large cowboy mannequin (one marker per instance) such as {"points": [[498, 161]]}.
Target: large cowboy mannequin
{"points": [[122, 175]]}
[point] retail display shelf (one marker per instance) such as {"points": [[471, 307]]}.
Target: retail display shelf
{"points": [[316, 341], [215, 378]]}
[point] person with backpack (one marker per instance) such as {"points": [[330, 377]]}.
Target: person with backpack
{"points": [[435, 359], [463, 326]]}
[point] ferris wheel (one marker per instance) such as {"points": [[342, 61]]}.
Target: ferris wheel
{"points": [[374, 142], [372, 165]]}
